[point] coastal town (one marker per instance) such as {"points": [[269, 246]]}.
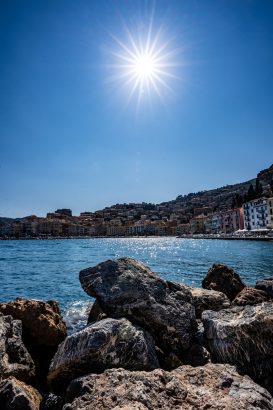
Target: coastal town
{"points": [[144, 220], [244, 209]]}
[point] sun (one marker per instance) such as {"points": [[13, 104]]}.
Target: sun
{"points": [[144, 66], [144, 63]]}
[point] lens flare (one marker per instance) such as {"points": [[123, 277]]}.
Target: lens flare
{"points": [[144, 63]]}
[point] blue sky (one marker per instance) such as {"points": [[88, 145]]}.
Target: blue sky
{"points": [[68, 138]]}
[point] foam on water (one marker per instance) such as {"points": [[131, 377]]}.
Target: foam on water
{"points": [[75, 315]]}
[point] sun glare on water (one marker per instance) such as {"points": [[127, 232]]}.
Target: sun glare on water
{"points": [[144, 64]]}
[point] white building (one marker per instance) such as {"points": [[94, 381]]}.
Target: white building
{"points": [[270, 212], [256, 214]]}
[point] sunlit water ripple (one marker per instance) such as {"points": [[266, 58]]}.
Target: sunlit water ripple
{"points": [[49, 269]]}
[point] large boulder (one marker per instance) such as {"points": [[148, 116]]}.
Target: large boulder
{"points": [[242, 336], [250, 296], [128, 288], [43, 329], [214, 386], [16, 395], [15, 359], [266, 285], [102, 345], [204, 299], [42, 321], [223, 279]]}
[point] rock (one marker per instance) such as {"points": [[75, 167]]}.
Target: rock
{"points": [[266, 285], [42, 321], [15, 360], [101, 345], [96, 313], [51, 402], [242, 336], [204, 299], [214, 386], [16, 395], [197, 355], [250, 296], [223, 279], [43, 329], [127, 288]]}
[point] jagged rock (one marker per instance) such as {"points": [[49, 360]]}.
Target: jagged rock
{"points": [[266, 285], [223, 279], [204, 299], [43, 329], [96, 313], [101, 345], [42, 321], [128, 288], [250, 296], [15, 360], [214, 386], [242, 336], [16, 395]]}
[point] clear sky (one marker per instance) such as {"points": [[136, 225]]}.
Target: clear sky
{"points": [[70, 138]]}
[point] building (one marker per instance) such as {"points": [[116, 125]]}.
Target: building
{"points": [[256, 214], [216, 223], [270, 213], [197, 224], [232, 220], [64, 211]]}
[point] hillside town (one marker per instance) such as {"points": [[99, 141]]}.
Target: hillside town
{"points": [[241, 208], [144, 220]]}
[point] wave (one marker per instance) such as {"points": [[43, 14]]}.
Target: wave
{"points": [[76, 314]]}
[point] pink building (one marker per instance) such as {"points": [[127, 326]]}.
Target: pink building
{"points": [[232, 220]]}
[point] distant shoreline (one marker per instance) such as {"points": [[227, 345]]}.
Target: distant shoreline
{"points": [[210, 237]]}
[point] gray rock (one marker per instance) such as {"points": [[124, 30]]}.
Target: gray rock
{"points": [[16, 395], [223, 279], [96, 313], [214, 386], [204, 299], [102, 345], [242, 336], [51, 402], [250, 296], [15, 360], [266, 285], [128, 288]]}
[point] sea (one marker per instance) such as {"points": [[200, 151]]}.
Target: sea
{"points": [[49, 269]]}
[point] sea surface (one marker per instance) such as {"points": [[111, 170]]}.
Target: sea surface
{"points": [[49, 269]]}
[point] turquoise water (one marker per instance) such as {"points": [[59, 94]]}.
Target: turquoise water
{"points": [[49, 269]]}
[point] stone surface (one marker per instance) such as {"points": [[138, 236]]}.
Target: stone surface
{"points": [[250, 296], [96, 313], [242, 336], [128, 288], [223, 279], [43, 329], [16, 395], [42, 321], [15, 359], [214, 386], [51, 402], [101, 345], [266, 285], [204, 299]]}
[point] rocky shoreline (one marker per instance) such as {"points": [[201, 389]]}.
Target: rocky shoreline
{"points": [[148, 344]]}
